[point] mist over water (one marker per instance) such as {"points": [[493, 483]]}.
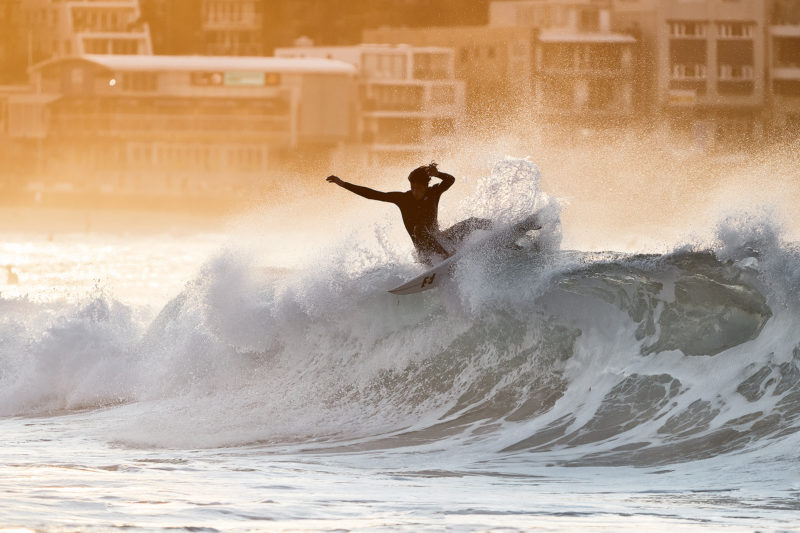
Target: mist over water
{"points": [[650, 324]]}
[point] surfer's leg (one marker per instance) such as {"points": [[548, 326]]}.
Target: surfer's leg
{"points": [[461, 230], [428, 246]]}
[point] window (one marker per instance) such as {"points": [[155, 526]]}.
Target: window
{"points": [[443, 95], [736, 72], [558, 55], [600, 56], [687, 29], [384, 66], [96, 46], [787, 52], [688, 72], [139, 81], [734, 30], [590, 20], [430, 66], [601, 94], [786, 87], [395, 98]]}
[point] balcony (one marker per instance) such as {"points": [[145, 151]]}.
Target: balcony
{"points": [[414, 98]]}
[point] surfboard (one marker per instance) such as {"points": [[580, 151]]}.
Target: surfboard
{"points": [[429, 279], [436, 275]]}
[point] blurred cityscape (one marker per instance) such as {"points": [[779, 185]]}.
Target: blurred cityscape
{"points": [[149, 101]]}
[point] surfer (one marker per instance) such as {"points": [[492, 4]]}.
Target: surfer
{"points": [[419, 208]]}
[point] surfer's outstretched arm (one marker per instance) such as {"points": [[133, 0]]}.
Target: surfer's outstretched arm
{"points": [[366, 192]]}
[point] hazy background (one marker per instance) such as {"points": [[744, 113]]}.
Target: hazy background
{"points": [[639, 174]]}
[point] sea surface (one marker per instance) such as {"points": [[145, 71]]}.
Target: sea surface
{"points": [[185, 380]]}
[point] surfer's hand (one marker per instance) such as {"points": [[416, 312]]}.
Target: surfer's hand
{"points": [[432, 170], [333, 179]]}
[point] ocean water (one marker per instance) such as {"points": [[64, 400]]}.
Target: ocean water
{"points": [[184, 382]]}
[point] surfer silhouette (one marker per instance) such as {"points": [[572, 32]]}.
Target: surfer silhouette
{"points": [[419, 208]]}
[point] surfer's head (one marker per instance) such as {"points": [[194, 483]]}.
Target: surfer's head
{"points": [[419, 179]]}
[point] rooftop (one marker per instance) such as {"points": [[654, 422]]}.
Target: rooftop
{"points": [[212, 63]]}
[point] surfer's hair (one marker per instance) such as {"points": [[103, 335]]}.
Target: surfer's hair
{"points": [[419, 175]]}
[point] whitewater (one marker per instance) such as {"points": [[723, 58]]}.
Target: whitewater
{"points": [[541, 389]]}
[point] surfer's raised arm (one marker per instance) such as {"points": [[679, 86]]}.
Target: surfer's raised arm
{"points": [[366, 192], [447, 179]]}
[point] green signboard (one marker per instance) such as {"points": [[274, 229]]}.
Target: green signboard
{"points": [[244, 79]]}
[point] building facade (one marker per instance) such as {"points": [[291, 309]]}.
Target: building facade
{"points": [[711, 75], [784, 76], [13, 43], [583, 71], [232, 27], [408, 95], [178, 124], [495, 64], [557, 59], [74, 27]]}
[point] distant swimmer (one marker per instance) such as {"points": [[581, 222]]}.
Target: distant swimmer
{"points": [[419, 208], [12, 278]]}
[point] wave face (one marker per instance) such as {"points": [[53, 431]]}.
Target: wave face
{"points": [[572, 357]]}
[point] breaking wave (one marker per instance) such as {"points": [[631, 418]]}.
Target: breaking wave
{"points": [[576, 357]]}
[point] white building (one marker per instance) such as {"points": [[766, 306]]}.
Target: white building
{"points": [[75, 27], [409, 95], [176, 124]]}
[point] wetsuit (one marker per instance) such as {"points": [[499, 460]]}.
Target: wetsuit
{"points": [[420, 217]]}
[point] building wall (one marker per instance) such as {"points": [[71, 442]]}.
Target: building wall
{"points": [[509, 68], [711, 54], [75, 27], [13, 43], [567, 15], [155, 129], [783, 45], [408, 96], [232, 27], [588, 82], [495, 63], [708, 63]]}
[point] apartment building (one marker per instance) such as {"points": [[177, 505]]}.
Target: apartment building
{"points": [[408, 94], [177, 124], [557, 59], [232, 27], [495, 63], [583, 71], [709, 58], [59, 28]]}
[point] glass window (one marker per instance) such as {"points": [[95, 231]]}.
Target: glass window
{"points": [[431, 66], [443, 95], [687, 29]]}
